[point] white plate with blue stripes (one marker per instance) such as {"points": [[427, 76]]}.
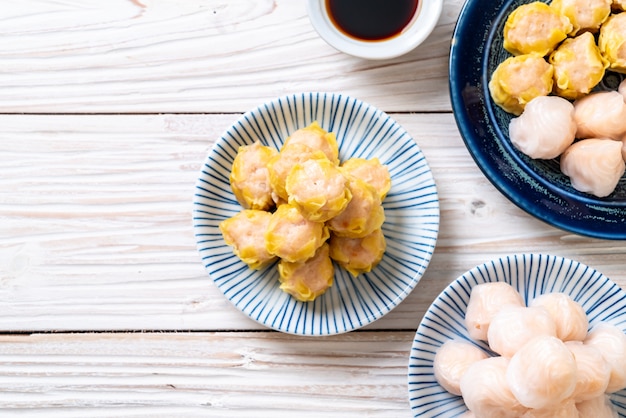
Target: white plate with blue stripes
{"points": [[411, 211], [531, 275]]}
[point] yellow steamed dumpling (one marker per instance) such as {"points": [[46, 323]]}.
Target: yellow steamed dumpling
{"points": [[578, 66], [245, 233], [315, 137], [358, 255], [307, 280], [612, 42], [534, 28], [364, 212], [318, 189], [249, 176], [292, 237], [518, 80], [584, 15], [371, 171]]}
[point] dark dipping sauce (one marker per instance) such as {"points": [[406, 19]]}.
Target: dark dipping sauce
{"points": [[371, 20]]}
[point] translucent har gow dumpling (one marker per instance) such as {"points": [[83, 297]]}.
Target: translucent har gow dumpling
{"points": [[545, 129], [578, 66], [486, 299], [583, 14], [451, 362], [542, 374], [565, 409], [593, 372], [612, 41], [534, 28], [514, 326], [599, 407], [594, 165], [568, 315], [611, 342], [517, 80], [486, 391], [600, 115]]}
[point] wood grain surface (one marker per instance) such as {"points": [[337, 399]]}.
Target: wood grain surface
{"points": [[107, 112]]}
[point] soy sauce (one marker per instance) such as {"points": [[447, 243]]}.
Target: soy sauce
{"points": [[371, 20]]}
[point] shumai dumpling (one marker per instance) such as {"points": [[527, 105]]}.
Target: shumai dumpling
{"points": [[612, 42], [587, 15], [315, 137], [371, 171], [292, 237], [594, 165], [283, 162], [518, 80], [318, 189], [486, 300], [245, 233], [534, 28], [249, 176], [578, 66], [364, 213], [307, 280], [358, 255]]}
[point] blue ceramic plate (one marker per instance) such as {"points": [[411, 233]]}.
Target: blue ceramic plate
{"points": [[411, 210], [531, 275], [536, 186]]}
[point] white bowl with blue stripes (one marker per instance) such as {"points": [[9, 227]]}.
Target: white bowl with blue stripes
{"points": [[411, 210], [531, 275]]}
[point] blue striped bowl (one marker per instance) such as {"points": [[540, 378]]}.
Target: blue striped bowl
{"points": [[410, 228], [531, 275]]}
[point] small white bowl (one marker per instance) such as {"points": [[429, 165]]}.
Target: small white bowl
{"points": [[420, 27]]}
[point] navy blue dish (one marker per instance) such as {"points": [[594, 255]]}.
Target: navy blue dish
{"points": [[536, 186]]}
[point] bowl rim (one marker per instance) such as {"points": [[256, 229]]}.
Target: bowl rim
{"points": [[427, 17], [471, 105]]}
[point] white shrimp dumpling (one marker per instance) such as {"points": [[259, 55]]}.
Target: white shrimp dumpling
{"points": [[545, 128], [566, 409], [451, 361], [514, 326], [594, 165], [611, 342], [568, 315], [593, 371], [486, 299], [601, 115], [542, 374], [599, 407], [486, 391]]}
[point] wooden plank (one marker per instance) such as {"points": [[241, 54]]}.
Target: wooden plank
{"points": [[208, 375], [121, 56], [96, 230]]}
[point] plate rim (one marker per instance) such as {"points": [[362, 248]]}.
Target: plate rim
{"points": [[429, 182], [503, 261]]}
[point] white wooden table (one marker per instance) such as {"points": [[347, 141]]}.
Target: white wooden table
{"points": [[107, 111]]}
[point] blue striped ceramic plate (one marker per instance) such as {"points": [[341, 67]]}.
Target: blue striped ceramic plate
{"points": [[531, 275], [410, 228]]}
